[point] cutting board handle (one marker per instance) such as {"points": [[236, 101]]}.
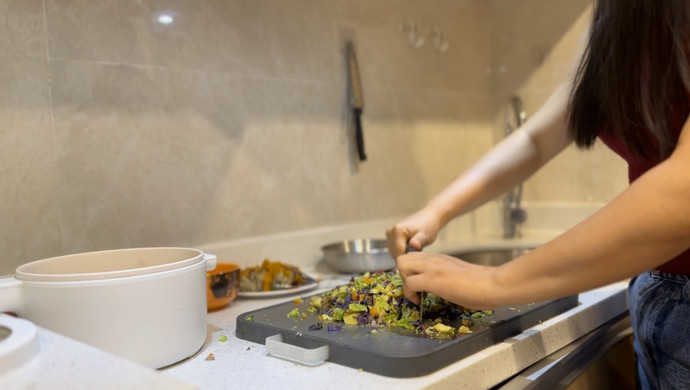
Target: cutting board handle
{"points": [[310, 357]]}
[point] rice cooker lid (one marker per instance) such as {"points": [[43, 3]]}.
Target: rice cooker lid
{"points": [[118, 263]]}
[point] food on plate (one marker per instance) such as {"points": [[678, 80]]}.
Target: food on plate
{"points": [[376, 300], [271, 275]]}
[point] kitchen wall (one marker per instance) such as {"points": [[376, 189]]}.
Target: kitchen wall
{"points": [[118, 130], [533, 44]]}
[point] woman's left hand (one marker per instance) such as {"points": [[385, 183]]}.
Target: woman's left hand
{"points": [[460, 282]]}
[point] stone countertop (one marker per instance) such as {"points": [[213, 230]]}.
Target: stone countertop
{"points": [[63, 363], [67, 364], [242, 364]]}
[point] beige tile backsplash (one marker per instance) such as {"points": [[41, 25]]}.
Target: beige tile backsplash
{"points": [[231, 122]]}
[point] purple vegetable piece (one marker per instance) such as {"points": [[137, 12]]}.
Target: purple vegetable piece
{"points": [[362, 320], [334, 328], [316, 326]]}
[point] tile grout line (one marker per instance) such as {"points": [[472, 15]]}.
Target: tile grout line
{"points": [[51, 119]]}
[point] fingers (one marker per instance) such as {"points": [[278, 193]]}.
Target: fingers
{"points": [[411, 267], [411, 289], [466, 284], [413, 263], [416, 242], [399, 237], [396, 237]]}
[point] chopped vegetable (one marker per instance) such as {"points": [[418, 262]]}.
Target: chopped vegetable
{"points": [[316, 326], [250, 318], [210, 356], [377, 300], [223, 338], [464, 330], [270, 275], [294, 313], [334, 328]]}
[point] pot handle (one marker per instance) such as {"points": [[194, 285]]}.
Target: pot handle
{"points": [[10, 295], [310, 357], [211, 261]]}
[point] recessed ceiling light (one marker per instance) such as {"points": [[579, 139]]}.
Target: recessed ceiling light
{"points": [[165, 18]]}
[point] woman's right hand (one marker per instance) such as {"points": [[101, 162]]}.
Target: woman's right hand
{"points": [[418, 230]]}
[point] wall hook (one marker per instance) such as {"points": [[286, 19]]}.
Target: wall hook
{"points": [[414, 39], [440, 44]]}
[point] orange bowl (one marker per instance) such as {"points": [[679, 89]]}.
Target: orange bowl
{"points": [[222, 284]]}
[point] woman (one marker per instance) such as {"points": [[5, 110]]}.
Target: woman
{"points": [[632, 90]]}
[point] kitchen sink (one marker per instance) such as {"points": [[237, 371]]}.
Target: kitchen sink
{"points": [[490, 256]]}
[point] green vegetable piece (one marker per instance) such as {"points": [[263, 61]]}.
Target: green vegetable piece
{"points": [[223, 338], [294, 313], [316, 302], [357, 307], [250, 318], [338, 314]]}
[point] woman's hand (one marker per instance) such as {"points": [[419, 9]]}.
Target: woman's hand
{"points": [[460, 282], [419, 230]]}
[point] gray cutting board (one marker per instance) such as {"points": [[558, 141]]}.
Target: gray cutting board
{"points": [[391, 352]]}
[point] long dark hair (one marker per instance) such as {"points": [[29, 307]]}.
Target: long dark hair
{"points": [[634, 78]]}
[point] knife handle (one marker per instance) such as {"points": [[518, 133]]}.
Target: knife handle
{"points": [[359, 136], [409, 248]]}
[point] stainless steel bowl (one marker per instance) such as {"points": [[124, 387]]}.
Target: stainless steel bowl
{"points": [[358, 255]]}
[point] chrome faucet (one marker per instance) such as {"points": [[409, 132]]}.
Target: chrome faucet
{"points": [[513, 214]]}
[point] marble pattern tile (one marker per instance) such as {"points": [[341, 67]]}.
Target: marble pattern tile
{"points": [[139, 151], [211, 36], [524, 34], [22, 28], [534, 64], [30, 228], [231, 122]]}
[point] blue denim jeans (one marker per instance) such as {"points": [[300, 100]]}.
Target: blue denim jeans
{"points": [[660, 316]]}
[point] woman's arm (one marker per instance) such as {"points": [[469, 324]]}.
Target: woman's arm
{"points": [[645, 226], [509, 163]]}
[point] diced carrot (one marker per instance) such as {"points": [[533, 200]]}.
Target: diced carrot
{"points": [[267, 282], [353, 294]]}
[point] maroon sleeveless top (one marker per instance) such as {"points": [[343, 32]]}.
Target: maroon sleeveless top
{"points": [[636, 168]]}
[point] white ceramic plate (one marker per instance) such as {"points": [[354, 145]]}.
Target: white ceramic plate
{"points": [[278, 293]]}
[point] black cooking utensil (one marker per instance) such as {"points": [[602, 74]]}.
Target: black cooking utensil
{"points": [[356, 99]]}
